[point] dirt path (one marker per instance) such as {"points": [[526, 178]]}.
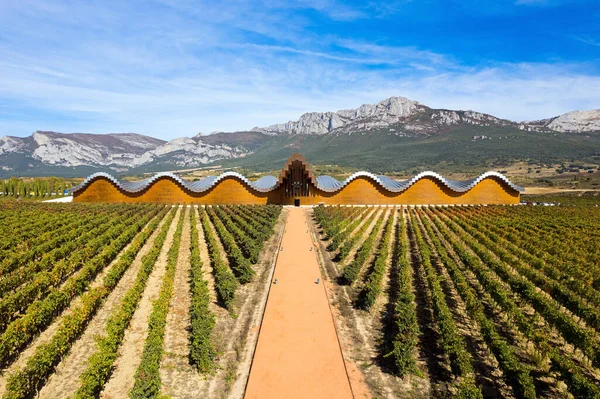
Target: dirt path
{"points": [[268, 259], [298, 334], [132, 347], [65, 380]]}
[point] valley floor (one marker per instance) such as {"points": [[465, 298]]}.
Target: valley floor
{"points": [[555, 190]]}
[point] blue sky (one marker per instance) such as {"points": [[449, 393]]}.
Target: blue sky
{"points": [[171, 68]]}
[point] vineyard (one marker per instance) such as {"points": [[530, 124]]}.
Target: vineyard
{"points": [[148, 300], [467, 301], [130, 300]]}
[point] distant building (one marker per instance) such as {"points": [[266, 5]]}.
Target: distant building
{"points": [[298, 185]]}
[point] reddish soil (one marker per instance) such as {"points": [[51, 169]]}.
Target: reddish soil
{"points": [[298, 354]]}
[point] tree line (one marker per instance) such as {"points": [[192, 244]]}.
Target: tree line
{"points": [[38, 187]]}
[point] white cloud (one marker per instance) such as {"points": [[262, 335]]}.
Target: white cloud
{"points": [[248, 96], [184, 69], [587, 40]]}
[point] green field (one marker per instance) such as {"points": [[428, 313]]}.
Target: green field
{"points": [[493, 301]]}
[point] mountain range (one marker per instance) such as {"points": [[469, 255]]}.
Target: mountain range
{"points": [[394, 134]]}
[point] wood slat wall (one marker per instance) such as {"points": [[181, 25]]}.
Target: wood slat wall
{"points": [[359, 192]]}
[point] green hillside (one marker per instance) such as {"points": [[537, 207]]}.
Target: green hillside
{"points": [[454, 150]]}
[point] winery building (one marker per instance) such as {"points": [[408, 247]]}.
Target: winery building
{"points": [[297, 185]]}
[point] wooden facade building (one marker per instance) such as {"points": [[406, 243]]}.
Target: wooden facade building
{"points": [[297, 185]]}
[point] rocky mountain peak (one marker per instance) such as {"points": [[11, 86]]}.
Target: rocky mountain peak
{"points": [[577, 121], [10, 144], [117, 151], [384, 113], [394, 116], [405, 116]]}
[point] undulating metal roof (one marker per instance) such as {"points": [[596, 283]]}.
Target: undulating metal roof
{"points": [[269, 183], [329, 184]]}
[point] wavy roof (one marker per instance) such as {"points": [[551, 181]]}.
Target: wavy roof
{"points": [[270, 183], [264, 184], [329, 184]]}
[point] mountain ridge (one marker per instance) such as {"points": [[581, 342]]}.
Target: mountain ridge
{"points": [[399, 117], [391, 111]]}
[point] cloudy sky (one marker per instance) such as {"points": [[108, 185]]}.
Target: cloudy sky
{"points": [[172, 68]]}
